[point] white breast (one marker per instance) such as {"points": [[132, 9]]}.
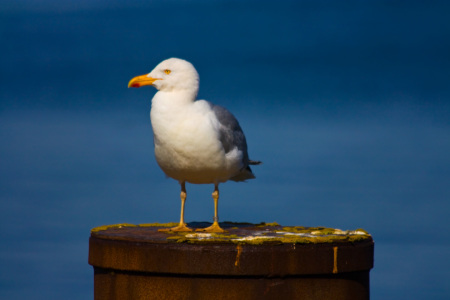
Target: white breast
{"points": [[187, 145]]}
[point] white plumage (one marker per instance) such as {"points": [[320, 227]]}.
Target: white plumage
{"points": [[195, 140]]}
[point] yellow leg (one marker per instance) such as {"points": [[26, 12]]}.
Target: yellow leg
{"points": [[215, 226], [182, 226]]}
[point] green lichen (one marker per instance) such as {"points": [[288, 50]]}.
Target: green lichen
{"points": [[264, 224], [322, 239], [311, 230], [105, 227], [286, 235], [225, 236], [173, 224], [196, 238], [276, 237]]}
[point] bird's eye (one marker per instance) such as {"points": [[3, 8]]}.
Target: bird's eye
{"points": [[167, 71]]}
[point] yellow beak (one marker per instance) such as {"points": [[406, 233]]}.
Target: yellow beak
{"points": [[142, 80]]}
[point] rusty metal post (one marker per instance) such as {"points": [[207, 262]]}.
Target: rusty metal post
{"points": [[248, 262]]}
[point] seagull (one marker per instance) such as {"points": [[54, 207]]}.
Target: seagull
{"points": [[195, 141]]}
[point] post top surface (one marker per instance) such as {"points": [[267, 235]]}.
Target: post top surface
{"points": [[236, 233], [244, 250]]}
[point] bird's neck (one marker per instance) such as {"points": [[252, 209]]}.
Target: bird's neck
{"points": [[174, 98], [169, 109]]}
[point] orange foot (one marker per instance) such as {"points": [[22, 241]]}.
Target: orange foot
{"points": [[213, 228], [180, 228]]}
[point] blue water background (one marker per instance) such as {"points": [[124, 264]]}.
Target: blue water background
{"points": [[347, 103]]}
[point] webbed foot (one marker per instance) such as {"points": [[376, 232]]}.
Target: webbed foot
{"points": [[179, 228], [213, 228]]}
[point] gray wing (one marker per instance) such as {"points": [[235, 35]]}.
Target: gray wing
{"points": [[231, 134]]}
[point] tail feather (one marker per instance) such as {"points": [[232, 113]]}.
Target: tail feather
{"points": [[246, 173]]}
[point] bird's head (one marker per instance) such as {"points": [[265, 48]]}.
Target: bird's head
{"points": [[172, 74]]}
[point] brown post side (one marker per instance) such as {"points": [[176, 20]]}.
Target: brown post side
{"points": [[141, 263]]}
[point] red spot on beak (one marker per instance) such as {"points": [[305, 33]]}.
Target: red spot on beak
{"points": [[136, 85]]}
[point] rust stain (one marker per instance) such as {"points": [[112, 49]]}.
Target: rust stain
{"points": [[335, 268], [238, 255]]}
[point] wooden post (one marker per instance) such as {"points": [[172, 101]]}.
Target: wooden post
{"points": [[265, 261]]}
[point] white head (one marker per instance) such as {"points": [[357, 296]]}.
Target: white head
{"points": [[172, 74]]}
